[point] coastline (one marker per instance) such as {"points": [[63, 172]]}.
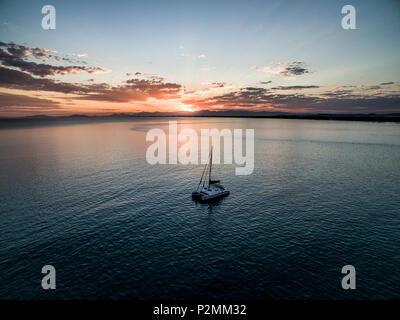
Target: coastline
{"points": [[48, 120]]}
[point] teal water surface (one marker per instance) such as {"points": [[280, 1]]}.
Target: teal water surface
{"points": [[82, 197]]}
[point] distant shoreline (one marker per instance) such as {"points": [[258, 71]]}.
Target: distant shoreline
{"points": [[46, 120]]}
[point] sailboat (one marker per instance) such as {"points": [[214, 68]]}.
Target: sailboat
{"points": [[211, 190]]}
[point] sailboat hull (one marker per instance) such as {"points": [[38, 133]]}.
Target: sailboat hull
{"points": [[213, 197], [212, 192], [196, 195]]}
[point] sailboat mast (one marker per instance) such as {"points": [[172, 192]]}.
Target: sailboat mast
{"points": [[209, 175], [202, 179], [205, 175]]}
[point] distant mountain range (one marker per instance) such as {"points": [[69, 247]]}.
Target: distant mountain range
{"points": [[43, 119]]}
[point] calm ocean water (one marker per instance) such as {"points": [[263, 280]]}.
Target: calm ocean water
{"points": [[83, 198]]}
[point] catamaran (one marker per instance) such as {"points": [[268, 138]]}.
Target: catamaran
{"points": [[213, 189]]}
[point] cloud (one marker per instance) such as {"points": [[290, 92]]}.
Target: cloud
{"points": [[294, 87], [136, 90], [285, 69], [21, 51], [129, 74], [255, 98], [218, 84], [156, 78], [294, 69], [15, 79], [131, 90], [22, 101], [19, 71], [14, 56], [44, 70], [339, 93], [80, 55], [41, 53], [18, 51]]}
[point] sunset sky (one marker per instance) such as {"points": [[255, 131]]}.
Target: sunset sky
{"points": [[134, 56]]}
